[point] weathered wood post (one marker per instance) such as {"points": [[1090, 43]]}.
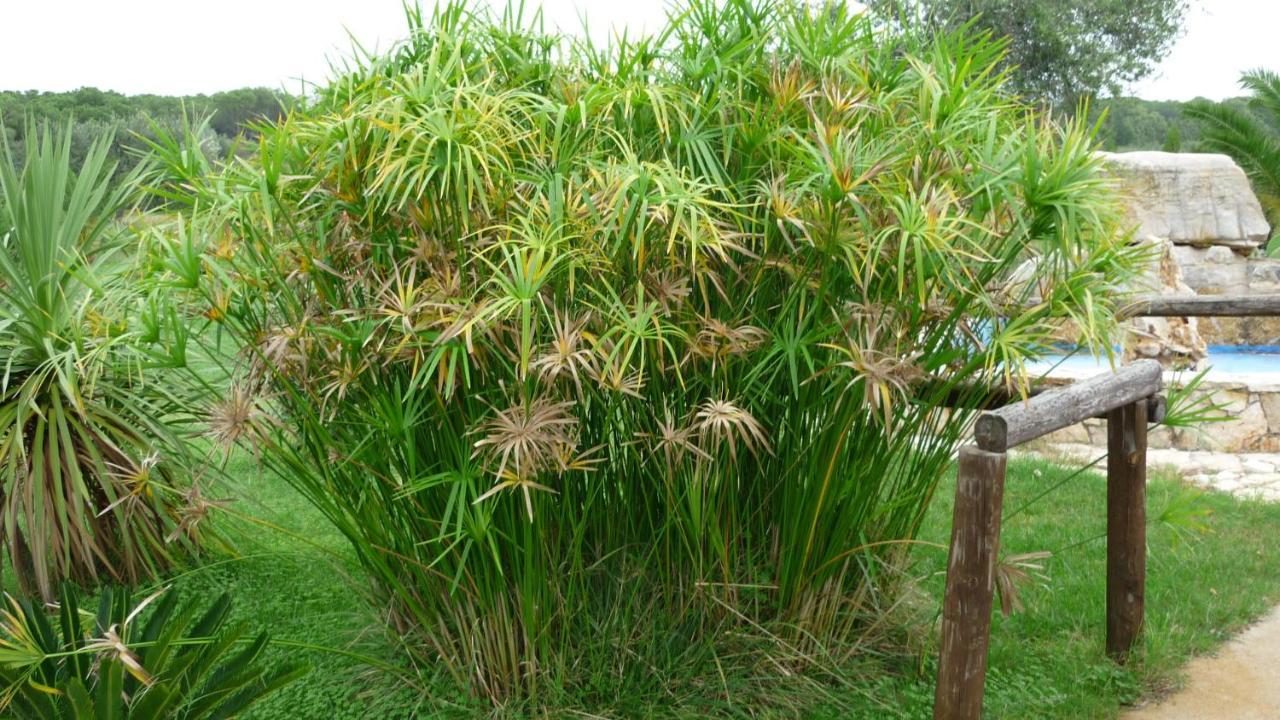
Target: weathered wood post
{"points": [[971, 568], [975, 529], [1126, 526], [1129, 400]]}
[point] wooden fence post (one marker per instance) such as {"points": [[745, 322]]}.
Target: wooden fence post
{"points": [[971, 566], [1126, 526]]}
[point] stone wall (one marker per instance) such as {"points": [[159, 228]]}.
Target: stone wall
{"points": [[1254, 424], [1218, 270], [1174, 341]]}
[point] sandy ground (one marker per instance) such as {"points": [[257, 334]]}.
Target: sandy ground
{"points": [[1240, 682]]}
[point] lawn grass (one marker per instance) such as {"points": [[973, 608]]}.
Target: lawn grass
{"points": [[297, 581], [1046, 662]]}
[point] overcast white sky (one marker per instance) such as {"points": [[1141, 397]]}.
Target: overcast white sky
{"points": [[180, 46]]}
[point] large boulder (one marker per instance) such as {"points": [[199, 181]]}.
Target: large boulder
{"points": [[1202, 210], [1190, 199]]}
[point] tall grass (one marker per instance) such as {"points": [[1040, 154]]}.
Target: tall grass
{"points": [[613, 359]]}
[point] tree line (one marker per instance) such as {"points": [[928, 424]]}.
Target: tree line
{"points": [[231, 115], [1129, 123]]}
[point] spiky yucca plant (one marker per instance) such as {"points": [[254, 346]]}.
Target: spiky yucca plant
{"points": [[131, 662], [88, 447], [1248, 139], [607, 360]]}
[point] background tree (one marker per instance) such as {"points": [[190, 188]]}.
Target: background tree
{"points": [[1060, 50], [1245, 134], [132, 120]]}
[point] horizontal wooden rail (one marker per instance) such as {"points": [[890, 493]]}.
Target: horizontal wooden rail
{"points": [[1203, 306], [1129, 400], [1012, 425], [998, 397]]}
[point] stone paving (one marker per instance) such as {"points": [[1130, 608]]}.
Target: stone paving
{"points": [[1255, 475]]}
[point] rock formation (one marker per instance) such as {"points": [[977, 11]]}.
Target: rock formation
{"points": [[1205, 226], [1174, 341], [1199, 200], [1201, 210]]}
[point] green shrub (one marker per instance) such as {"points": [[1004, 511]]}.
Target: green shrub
{"points": [[609, 361], [172, 666], [93, 466]]}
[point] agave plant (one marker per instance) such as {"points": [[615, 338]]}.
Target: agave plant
{"points": [[1243, 134], [582, 346], [89, 450], [126, 662]]}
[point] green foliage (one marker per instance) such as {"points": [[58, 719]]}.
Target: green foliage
{"points": [[233, 111], [295, 575], [183, 152], [1129, 123], [134, 120], [1249, 135], [1172, 140], [168, 664], [1190, 406], [1048, 660], [1060, 51], [536, 324], [90, 457]]}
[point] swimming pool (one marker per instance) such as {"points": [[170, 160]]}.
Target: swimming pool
{"points": [[1222, 360], [1242, 381], [1244, 358]]}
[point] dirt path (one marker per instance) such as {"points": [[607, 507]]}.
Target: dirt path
{"points": [[1241, 682]]}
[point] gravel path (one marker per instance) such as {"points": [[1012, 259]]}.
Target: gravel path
{"points": [[1246, 475]]}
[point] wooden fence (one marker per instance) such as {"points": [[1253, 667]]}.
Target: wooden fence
{"points": [[1130, 400]]}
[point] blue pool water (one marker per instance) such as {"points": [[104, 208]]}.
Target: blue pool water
{"points": [[1244, 359], [1222, 358]]}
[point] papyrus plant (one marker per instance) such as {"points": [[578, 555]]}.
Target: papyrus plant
{"points": [[591, 347]]}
